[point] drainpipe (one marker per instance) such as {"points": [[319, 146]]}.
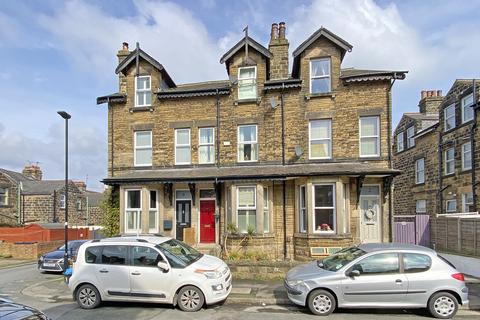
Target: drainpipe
{"points": [[218, 129], [19, 209], [54, 206], [440, 176], [472, 137], [283, 124], [111, 140], [284, 187], [389, 141]]}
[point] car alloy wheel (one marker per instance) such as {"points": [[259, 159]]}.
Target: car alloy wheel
{"points": [[88, 297], [190, 299], [321, 302], [443, 305]]}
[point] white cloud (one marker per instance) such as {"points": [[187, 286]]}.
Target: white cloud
{"points": [[5, 75], [167, 31]]}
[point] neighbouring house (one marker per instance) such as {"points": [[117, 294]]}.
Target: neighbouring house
{"points": [[300, 161], [436, 150], [27, 198]]}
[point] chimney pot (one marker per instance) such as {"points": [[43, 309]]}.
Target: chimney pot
{"points": [[274, 32], [125, 46], [281, 30], [423, 94], [439, 93]]}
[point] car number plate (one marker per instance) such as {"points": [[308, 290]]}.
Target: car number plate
{"points": [[49, 264]]}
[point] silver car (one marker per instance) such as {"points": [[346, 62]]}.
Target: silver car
{"points": [[379, 276]]}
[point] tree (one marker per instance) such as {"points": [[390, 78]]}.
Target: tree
{"points": [[110, 207]]}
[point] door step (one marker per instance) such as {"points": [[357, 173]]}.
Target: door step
{"points": [[212, 249]]}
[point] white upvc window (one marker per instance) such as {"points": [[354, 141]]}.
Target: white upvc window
{"points": [[324, 215], [247, 83], [467, 108], [143, 148], [320, 137], [133, 211], [467, 202], [400, 142], [143, 91], [302, 207], [206, 145], [421, 206], [449, 161], [467, 156], [79, 204], [320, 80], [3, 196], [410, 139], [449, 115], [370, 136], [247, 143], [153, 211], [451, 205], [62, 201], [266, 211], [182, 146], [420, 171], [246, 208]]}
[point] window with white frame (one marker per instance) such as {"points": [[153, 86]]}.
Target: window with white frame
{"points": [[320, 136], [246, 208], [451, 205], [153, 212], [206, 145], [133, 211], [420, 171], [324, 208], [266, 211], [320, 81], [449, 161], [467, 108], [449, 115], [247, 143], [3, 196], [247, 83], [467, 202], [370, 136], [143, 148], [400, 142], [421, 206], [302, 204], [467, 156], [79, 204], [62, 201], [182, 146], [410, 139], [143, 91]]}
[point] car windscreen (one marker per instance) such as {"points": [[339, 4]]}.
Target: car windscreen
{"points": [[178, 254], [341, 258]]}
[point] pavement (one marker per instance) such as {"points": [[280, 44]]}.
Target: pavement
{"points": [[10, 262]]}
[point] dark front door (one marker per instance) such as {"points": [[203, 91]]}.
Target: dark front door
{"points": [[207, 221], [183, 217]]}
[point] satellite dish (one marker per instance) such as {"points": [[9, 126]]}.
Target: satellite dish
{"points": [[233, 79], [273, 103], [298, 151]]}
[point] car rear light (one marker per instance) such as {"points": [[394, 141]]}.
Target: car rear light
{"points": [[458, 276]]}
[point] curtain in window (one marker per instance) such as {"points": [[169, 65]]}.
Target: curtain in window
{"points": [[246, 197], [320, 132]]}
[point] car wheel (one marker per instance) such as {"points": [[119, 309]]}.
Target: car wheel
{"points": [[443, 305], [88, 297], [321, 302], [190, 299]]}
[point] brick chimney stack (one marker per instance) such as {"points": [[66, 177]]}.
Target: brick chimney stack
{"points": [[430, 100], [81, 185], [122, 54], [278, 46], [33, 171]]}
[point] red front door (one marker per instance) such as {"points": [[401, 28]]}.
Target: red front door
{"points": [[207, 221]]}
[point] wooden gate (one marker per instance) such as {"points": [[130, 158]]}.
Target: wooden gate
{"points": [[413, 229], [404, 231], [422, 230]]}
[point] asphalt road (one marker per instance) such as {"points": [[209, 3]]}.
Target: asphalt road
{"points": [[14, 280]]}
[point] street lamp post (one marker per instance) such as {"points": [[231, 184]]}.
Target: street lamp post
{"points": [[66, 116]]}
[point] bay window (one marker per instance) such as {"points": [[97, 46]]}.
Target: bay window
{"points": [[143, 92], [320, 137], [246, 208], [133, 211], [370, 136], [266, 211], [247, 143], [182, 146], [206, 145], [302, 203], [153, 212], [320, 81], [143, 148], [324, 208], [247, 83]]}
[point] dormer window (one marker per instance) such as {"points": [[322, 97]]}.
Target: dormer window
{"points": [[320, 81], [247, 83], [143, 91]]}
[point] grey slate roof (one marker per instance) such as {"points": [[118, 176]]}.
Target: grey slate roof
{"points": [[16, 176], [114, 97], [352, 74], [241, 44], [94, 198], [251, 172], [142, 54], [422, 116], [42, 187], [208, 88]]}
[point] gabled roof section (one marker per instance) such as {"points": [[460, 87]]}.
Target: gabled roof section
{"points": [[15, 176], [131, 58], [356, 75], [241, 44]]}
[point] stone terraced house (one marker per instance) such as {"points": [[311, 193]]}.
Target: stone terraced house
{"points": [[26, 198], [436, 150], [300, 161]]}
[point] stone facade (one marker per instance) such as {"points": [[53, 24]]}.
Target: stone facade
{"points": [[282, 111]]}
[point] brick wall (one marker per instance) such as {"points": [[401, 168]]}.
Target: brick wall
{"points": [[28, 250]]}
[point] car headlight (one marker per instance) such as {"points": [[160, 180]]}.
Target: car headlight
{"points": [[210, 274], [294, 283]]}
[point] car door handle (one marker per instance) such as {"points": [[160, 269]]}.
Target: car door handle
{"points": [[104, 271], [398, 281], [136, 273]]}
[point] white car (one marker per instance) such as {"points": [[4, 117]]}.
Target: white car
{"points": [[147, 269]]}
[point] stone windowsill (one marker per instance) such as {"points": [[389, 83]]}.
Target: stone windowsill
{"points": [[140, 109], [322, 236], [330, 95], [246, 101]]}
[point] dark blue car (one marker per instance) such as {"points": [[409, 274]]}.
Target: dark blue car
{"points": [[53, 261]]}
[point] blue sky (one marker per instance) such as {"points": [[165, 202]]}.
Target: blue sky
{"points": [[61, 55]]}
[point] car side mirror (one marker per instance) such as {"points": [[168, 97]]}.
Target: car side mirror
{"points": [[163, 266], [354, 273]]}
